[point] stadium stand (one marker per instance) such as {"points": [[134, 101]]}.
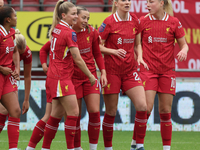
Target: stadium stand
{"points": [[92, 2], [33, 5], [46, 4]]}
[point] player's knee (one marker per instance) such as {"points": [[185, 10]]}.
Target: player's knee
{"points": [[16, 113]]}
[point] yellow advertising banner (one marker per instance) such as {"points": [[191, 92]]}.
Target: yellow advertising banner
{"points": [[35, 26]]}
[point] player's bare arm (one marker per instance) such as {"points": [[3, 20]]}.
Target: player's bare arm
{"points": [[138, 51], [182, 55]]}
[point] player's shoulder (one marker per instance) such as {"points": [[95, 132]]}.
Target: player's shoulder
{"points": [[133, 15], [173, 19]]}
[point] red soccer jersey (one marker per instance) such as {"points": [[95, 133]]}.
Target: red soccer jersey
{"points": [[85, 43], [26, 56], [6, 46], [119, 35], [44, 52], [61, 63], [158, 41]]}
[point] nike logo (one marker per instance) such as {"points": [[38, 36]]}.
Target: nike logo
{"points": [[142, 125], [117, 31], [148, 29], [171, 89], [168, 124]]}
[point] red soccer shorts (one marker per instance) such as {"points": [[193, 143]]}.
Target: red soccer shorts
{"points": [[124, 82], [159, 82], [8, 84], [83, 87], [59, 88]]}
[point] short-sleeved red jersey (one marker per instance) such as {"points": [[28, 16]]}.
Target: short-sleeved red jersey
{"points": [[85, 42], [61, 63], [158, 41], [119, 35], [6, 46], [26, 56]]}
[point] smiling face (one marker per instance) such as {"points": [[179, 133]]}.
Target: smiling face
{"points": [[155, 6], [71, 16], [123, 5], [83, 18]]}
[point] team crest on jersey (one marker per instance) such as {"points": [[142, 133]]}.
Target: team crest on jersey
{"points": [[88, 39], [74, 37], [167, 30], [102, 27], [134, 31]]}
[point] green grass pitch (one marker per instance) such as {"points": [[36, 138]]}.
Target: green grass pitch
{"points": [[121, 141]]}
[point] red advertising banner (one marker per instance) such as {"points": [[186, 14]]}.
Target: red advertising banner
{"points": [[188, 12]]}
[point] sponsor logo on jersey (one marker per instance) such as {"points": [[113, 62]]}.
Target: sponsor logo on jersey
{"points": [[29, 53], [156, 39], [128, 40], [119, 41], [102, 27], [86, 50], [88, 39], [180, 25], [74, 37]]}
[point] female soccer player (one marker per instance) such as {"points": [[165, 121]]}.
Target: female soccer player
{"points": [[120, 34], [159, 30], [60, 71], [9, 74], [88, 43], [26, 56], [38, 130]]}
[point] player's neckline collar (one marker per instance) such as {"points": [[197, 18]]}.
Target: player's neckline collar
{"points": [[62, 22], [3, 30], [165, 18], [118, 19]]}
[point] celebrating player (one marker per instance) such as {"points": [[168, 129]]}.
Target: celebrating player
{"points": [[9, 73], [120, 34], [159, 29], [88, 43], [64, 50]]}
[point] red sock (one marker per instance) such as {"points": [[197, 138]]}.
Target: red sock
{"points": [[38, 133], [134, 131], [13, 131], [77, 138], [50, 131], [166, 128], [108, 129], [94, 127], [2, 121], [70, 129], [140, 126]]}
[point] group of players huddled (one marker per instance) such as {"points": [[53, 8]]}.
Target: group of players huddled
{"points": [[138, 59]]}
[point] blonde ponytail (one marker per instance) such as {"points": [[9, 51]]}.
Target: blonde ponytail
{"points": [[20, 40], [114, 8], [168, 7], [61, 7]]}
